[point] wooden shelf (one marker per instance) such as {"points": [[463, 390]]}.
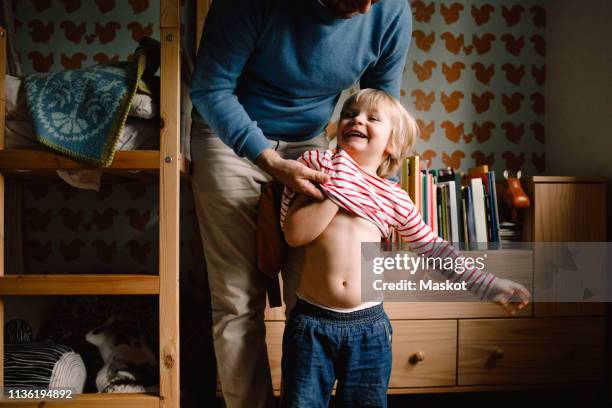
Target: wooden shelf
{"points": [[21, 161], [566, 179], [82, 284], [89, 401]]}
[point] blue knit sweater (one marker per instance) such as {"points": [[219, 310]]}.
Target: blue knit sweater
{"points": [[274, 69]]}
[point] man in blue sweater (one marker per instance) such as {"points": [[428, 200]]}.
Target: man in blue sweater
{"points": [[268, 76]]}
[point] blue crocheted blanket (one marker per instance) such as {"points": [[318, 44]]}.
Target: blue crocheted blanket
{"points": [[82, 112]]}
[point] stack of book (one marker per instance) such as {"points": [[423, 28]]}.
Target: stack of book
{"points": [[510, 231], [460, 208]]}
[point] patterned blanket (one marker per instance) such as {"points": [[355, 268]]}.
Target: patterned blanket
{"points": [[81, 113]]}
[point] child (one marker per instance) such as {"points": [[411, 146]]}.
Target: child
{"points": [[330, 334]]}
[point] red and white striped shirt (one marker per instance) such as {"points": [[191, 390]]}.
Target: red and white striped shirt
{"points": [[388, 207]]}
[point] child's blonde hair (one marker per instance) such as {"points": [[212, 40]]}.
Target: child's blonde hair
{"points": [[404, 129]]}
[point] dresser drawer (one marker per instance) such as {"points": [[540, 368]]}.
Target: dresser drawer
{"points": [[546, 350], [424, 353]]}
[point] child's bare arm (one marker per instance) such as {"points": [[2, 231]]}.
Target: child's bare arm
{"points": [[306, 219]]}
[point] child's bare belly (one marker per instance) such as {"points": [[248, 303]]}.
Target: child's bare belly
{"points": [[331, 273]]}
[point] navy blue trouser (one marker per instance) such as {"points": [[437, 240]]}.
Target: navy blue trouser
{"points": [[320, 346]]}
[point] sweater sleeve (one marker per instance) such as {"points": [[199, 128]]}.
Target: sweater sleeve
{"points": [[423, 241], [386, 73], [229, 38]]}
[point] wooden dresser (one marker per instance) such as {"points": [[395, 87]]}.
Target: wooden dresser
{"points": [[470, 346]]}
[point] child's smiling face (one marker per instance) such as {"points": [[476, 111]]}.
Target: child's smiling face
{"points": [[364, 132]]}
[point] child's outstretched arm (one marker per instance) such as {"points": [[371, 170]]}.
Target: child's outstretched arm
{"points": [[510, 295], [306, 219]]}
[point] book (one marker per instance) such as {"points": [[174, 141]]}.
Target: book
{"points": [[447, 209], [494, 205], [460, 206], [487, 205], [433, 204], [441, 220], [480, 216], [464, 221], [410, 180], [424, 199], [469, 209], [452, 210], [414, 172]]}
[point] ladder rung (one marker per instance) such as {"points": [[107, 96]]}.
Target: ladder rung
{"points": [[22, 159], [110, 400], [85, 284]]}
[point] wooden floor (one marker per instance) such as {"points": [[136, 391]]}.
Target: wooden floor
{"points": [[514, 399]]}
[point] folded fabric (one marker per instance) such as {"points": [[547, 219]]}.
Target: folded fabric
{"points": [[83, 179], [81, 113], [143, 105], [45, 365]]}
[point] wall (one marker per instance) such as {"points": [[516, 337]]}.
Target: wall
{"points": [[579, 91], [474, 79], [53, 35], [579, 96], [475, 75]]}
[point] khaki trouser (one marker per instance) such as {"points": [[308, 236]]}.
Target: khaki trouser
{"points": [[226, 191]]}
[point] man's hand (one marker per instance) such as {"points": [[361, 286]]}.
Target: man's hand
{"points": [[292, 173], [509, 295]]}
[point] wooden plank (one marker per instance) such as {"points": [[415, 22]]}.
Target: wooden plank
{"points": [[170, 14], [566, 179], [169, 195], [20, 159], [2, 192], [86, 284], [485, 388], [568, 212], [2, 70], [111, 400], [490, 388]]}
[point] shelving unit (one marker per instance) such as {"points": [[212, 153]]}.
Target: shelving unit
{"points": [[167, 166]]}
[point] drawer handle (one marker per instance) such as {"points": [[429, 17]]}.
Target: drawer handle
{"points": [[416, 357], [498, 352]]}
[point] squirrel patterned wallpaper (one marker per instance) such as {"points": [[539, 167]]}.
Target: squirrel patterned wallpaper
{"points": [[475, 79], [54, 35]]}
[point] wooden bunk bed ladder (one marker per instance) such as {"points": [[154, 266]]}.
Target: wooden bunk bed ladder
{"points": [[170, 164]]}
